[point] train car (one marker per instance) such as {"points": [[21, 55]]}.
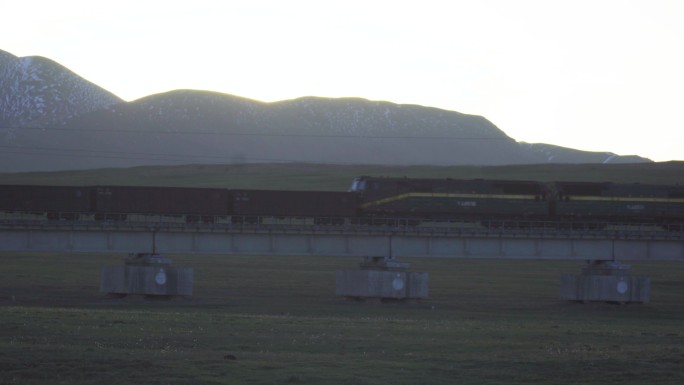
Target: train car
{"points": [[369, 197], [55, 202], [471, 199], [620, 202], [675, 204], [314, 204], [114, 202]]}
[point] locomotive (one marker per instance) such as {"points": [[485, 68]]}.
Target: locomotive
{"points": [[369, 198], [478, 199]]}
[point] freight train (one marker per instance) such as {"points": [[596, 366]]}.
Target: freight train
{"points": [[183, 204], [368, 199]]}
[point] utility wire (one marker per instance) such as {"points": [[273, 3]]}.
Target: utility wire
{"points": [[106, 154], [335, 136], [79, 153]]}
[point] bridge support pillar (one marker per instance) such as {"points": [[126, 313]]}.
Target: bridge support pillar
{"points": [[382, 278], [607, 281]]}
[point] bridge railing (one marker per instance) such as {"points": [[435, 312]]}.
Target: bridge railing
{"points": [[119, 221]]}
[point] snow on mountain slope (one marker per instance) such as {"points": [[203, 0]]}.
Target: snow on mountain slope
{"points": [[51, 119], [35, 91]]}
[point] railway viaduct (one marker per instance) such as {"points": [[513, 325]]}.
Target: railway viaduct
{"points": [[602, 246], [507, 240]]}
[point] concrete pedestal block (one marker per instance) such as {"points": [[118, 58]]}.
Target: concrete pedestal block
{"points": [[148, 275], [607, 282], [383, 278], [622, 289], [381, 284]]}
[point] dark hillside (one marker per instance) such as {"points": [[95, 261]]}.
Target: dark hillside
{"points": [[51, 119]]}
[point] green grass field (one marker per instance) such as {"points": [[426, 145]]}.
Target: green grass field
{"points": [[338, 178], [276, 320]]}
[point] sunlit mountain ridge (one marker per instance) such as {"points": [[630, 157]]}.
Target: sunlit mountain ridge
{"points": [[52, 119]]}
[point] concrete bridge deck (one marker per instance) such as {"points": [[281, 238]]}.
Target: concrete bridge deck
{"points": [[398, 238]]}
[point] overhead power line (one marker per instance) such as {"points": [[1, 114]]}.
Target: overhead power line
{"points": [[108, 154], [80, 153], [257, 134]]}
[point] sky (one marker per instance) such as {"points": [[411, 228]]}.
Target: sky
{"points": [[596, 75]]}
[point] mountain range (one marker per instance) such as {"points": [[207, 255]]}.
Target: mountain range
{"points": [[52, 119]]}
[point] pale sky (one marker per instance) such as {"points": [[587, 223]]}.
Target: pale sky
{"points": [[598, 75]]}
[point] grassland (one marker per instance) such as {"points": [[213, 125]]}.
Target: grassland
{"points": [[338, 177], [275, 320]]}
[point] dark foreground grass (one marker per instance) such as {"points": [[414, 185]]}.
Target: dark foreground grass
{"points": [[275, 320]]}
